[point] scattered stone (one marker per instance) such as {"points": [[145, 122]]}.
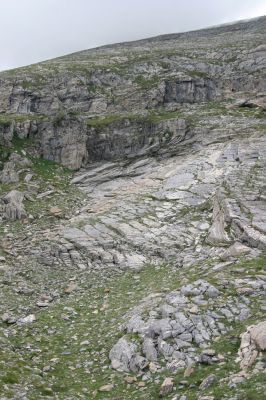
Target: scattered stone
{"points": [[71, 288], [8, 318], [45, 194], [194, 309], [153, 367], [28, 178], [106, 388], [56, 211], [188, 372], [27, 320], [42, 304], [237, 379], [167, 387], [207, 382], [130, 379]]}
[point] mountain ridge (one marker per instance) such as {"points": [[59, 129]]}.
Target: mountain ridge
{"points": [[241, 22]]}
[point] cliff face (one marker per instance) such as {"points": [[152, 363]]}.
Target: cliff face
{"points": [[139, 271], [130, 80]]}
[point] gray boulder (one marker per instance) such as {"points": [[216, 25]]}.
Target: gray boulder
{"points": [[9, 173], [13, 205], [149, 350], [122, 355]]}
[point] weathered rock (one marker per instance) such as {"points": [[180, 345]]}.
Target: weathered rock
{"points": [[149, 350], [9, 174], [258, 335], [106, 388], [27, 320], [13, 205], [208, 382], [130, 379], [217, 234], [8, 318], [252, 340], [71, 288], [190, 90], [236, 250], [167, 387], [56, 211], [20, 161], [122, 354]]}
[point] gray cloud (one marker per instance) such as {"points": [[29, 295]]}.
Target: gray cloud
{"points": [[35, 30]]}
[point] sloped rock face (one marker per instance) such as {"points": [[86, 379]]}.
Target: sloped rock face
{"points": [[132, 139], [190, 90], [64, 141]]}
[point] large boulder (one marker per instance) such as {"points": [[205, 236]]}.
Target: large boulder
{"points": [[124, 356], [9, 173], [13, 205], [236, 250], [121, 354], [258, 334], [253, 340], [19, 160]]}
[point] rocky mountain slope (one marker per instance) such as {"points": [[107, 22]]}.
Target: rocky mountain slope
{"points": [[133, 220]]}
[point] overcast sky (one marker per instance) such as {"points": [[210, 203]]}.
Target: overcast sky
{"points": [[36, 30]]}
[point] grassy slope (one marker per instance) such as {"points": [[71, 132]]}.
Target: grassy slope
{"points": [[76, 370]]}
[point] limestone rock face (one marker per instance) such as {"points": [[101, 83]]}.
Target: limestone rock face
{"points": [[131, 139], [190, 90], [64, 142]]}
